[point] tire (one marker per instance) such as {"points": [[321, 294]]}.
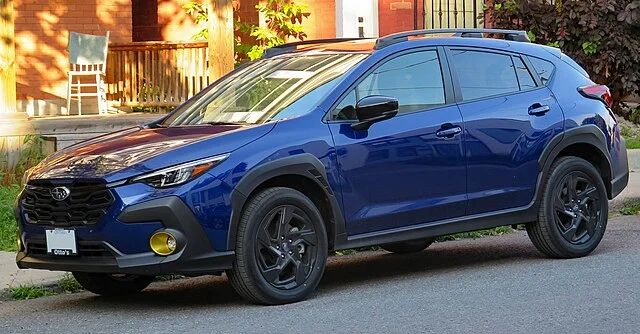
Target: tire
{"points": [[109, 285], [281, 248], [405, 247], [573, 212]]}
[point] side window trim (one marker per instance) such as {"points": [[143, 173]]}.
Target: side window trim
{"points": [[532, 70], [528, 69], [444, 69], [456, 84]]}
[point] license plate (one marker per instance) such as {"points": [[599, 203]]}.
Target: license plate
{"points": [[61, 242]]}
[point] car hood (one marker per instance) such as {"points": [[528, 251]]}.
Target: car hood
{"points": [[134, 151]]}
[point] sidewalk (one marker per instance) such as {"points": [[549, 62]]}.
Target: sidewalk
{"points": [[632, 191], [11, 276]]}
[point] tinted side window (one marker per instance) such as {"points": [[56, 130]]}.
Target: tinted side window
{"points": [[543, 68], [482, 74], [524, 77], [415, 79]]}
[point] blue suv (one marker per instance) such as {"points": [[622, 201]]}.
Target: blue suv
{"points": [[332, 144]]}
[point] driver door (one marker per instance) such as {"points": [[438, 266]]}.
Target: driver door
{"points": [[409, 169]]}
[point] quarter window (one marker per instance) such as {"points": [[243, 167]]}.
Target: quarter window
{"points": [[482, 74], [544, 69], [415, 79]]}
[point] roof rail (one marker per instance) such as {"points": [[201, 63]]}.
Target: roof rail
{"points": [[289, 47], [511, 35]]}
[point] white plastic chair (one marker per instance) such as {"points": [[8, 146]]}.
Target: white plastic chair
{"points": [[88, 59]]}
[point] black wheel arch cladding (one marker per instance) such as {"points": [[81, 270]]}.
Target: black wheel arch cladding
{"points": [[305, 165]]}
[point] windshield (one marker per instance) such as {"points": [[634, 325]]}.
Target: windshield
{"points": [[266, 90]]}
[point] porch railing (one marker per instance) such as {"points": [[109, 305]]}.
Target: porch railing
{"points": [[156, 74]]}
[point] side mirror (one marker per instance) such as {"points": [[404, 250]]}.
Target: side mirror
{"points": [[374, 108]]}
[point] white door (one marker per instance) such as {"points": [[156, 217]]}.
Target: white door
{"points": [[356, 18]]}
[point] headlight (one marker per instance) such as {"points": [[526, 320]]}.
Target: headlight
{"points": [[176, 175]]}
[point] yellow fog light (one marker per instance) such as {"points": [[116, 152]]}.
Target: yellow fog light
{"points": [[19, 240], [163, 243]]}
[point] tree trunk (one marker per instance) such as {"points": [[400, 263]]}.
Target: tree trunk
{"points": [[7, 58], [220, 38]]}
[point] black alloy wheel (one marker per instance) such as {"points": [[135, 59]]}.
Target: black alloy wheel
{"points": [[281, 247], [287, 247], [573, 210], [578, 207]]}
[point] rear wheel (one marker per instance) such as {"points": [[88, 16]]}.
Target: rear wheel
{"points": [[574, 210], [112, 284], [281, 248], [404, 247]]}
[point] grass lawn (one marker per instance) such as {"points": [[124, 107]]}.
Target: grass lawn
{"points": [[633, 143], [8, 196], [630, 132]]}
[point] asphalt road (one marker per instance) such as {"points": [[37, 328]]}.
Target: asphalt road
{"points": [[489, 285]]}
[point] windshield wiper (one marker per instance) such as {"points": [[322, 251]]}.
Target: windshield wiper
{"points": [[225, 123]]}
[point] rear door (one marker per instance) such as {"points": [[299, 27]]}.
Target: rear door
{"points": [[409, 169], [510, 117]]}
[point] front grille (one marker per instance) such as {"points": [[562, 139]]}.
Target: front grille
{"points": [[38, 248], [87, 203]]}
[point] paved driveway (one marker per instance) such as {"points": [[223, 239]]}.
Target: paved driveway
{"points": [[490, 285]]}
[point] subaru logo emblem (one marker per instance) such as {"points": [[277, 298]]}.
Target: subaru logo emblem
{"points": [[60, 193]]}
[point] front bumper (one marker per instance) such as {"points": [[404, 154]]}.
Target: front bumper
{"points": [[194, 256]]}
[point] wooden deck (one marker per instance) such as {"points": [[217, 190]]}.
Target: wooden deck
{"points": [[156, 74]]}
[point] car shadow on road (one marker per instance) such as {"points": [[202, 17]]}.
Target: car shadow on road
{"points": [[342, 272], [439, 259]]}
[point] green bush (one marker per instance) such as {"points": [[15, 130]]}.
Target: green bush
{"points": [[30, 156], [8, 196], [630, 132], [24, 292], [630, 208], [601, 35], [68, 284]]}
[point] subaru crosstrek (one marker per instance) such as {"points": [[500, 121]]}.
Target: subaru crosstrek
{"points": [[333, 144]]}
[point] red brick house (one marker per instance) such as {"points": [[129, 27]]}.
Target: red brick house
{"points": [[42, 26]]}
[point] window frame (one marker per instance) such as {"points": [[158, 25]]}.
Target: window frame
{"points": [[528, 69], [449, 97], [456, 84]]}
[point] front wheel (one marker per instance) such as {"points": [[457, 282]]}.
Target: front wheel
{"points": [[573, 213], [281, 248], [112, 284]]}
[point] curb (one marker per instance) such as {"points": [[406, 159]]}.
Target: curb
{"points": [[633, 157]]}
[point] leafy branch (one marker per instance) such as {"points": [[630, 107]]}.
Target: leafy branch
{"points": [[282, 22]]}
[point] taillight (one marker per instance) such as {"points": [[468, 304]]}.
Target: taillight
{"points": [[598, 92]]}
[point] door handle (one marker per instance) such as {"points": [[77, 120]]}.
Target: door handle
{"points": [[538, 109], [449, 132]]}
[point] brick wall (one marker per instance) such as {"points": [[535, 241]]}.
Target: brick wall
{"points": [[322, 22], [398, 15], [42, 27]]}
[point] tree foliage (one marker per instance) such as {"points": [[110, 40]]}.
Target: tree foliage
{"points": [[602, 35], [282, 22]]}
